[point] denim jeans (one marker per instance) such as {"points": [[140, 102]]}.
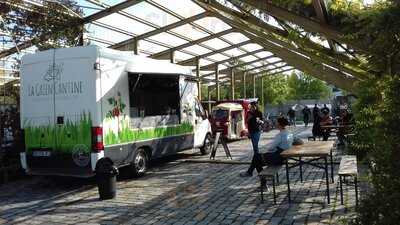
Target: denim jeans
{"points": [[256, 162]]}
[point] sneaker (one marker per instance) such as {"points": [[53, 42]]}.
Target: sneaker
{"points": [[245, 174]]}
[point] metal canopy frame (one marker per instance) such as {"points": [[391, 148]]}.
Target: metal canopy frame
{"points": [[260, 41]]}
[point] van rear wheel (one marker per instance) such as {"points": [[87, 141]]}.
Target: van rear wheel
{"points": [[140, 163], [206, 148]]}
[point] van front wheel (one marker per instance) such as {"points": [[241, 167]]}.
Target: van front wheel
{"points": [[206, 148], [140, 163]]}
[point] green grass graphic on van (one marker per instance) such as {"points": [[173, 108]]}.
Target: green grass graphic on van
{"points": [[127, 134], [60, 138]]}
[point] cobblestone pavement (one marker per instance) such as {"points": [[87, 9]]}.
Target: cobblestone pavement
{"points": [[178, 192]]}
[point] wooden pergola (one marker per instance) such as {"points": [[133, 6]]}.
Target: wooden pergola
{"points": [[247, 47]]}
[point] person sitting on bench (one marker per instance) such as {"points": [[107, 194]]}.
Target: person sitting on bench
{"points": [[282, 141]]}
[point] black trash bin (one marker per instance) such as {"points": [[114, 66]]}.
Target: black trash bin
{"points": [[106, 177]]}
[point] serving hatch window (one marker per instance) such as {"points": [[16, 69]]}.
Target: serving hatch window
{"points": [[154, 96]]}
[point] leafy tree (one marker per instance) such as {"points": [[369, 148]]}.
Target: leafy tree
{"points": [[276, 89], [304, 86], [51, 25]]}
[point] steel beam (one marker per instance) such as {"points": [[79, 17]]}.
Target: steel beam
{"points": [[244, 85], [262, 28], [198, 78], [322, 15], [232, 73], [111, 10], [241, 64], [292, 58], [189, 61], [210, 66], [217, 82], [193, 24], [193, 42], [307, 24], [255, 74]]}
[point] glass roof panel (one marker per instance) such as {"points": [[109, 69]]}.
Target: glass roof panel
{"points": [[204, 72], [101, 44], [248, 58], [89, 8], [272, 60], [99, 32], [222, 66], [197, 49], [204, 62], [124, 23], [180, 56], [252, 47], [234, 52], [263, 54], [235, 37], [212, 24], [216, 43], [190, 32], [112, 2], [218, 57], [257, 64], [151, 14], [150, 47], [184, 8], [168, 39]]}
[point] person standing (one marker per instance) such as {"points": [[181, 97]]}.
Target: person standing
{"points": [[315, 113], [292, 116], [306, 115], [254, 124]]}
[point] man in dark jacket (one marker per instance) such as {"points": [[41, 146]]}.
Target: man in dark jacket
{"points": [[292, 116], [315, 113], [254, 125], [306, 115]]}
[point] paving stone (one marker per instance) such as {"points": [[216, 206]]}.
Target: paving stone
{"points": [[178, 193]]}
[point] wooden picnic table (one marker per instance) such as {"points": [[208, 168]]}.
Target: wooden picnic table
{"points": [[308, 153]]}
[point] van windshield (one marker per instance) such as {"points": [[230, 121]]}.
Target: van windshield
{"points": [[220, 114]]}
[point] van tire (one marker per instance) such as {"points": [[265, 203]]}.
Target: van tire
{"points": [[207, 145], [139, 163]]}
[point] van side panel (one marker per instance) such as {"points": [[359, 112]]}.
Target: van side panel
{"points": [[58, 105], [124, 135]]}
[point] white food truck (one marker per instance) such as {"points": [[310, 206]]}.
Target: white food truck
{"points": [[81, 104]]}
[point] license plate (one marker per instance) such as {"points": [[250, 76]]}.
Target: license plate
{"points": [[41, 154]]}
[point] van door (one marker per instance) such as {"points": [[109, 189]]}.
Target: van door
{"points": [[74, 103], [201, 124], [37, 110]]}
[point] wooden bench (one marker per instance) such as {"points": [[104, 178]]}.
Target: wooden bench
{"points": [[270, 172], [348, 167]]}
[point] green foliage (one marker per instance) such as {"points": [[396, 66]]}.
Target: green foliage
{"points": [[304, 86], [54, 24], [59, 138], [376, 28], [126, 134], [275, 89], [378, 137]]}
